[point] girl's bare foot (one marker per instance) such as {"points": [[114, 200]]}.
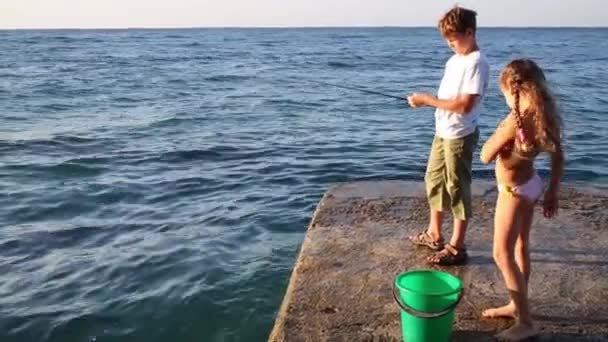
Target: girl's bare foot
{"points": [[507, 311], [517, 332]]}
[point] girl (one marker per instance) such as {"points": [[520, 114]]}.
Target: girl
{"points": [[532, 126]]}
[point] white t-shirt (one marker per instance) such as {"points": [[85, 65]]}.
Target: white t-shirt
{"points": [[464, 74]]}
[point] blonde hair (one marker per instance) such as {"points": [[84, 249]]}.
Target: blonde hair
{"points": [[457, 20], [524, 76]]}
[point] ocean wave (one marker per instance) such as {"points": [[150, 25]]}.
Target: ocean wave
{"points": [[340, 65], [350, 36], [33, 140], [227, 78], [213, 153], [63, 170], [292, 102]]}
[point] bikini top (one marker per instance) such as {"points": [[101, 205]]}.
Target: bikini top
{"points": [[523, 146]]}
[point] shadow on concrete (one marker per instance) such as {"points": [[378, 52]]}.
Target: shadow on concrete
{"points": [[567, 253], [571, 262], [568, 320], [462, 336], [479, 260], [563, 256]]}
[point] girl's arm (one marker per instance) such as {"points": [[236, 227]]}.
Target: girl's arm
{"points": [[550, 203], [503, 135]]}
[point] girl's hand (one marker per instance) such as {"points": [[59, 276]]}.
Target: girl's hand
{"points": [[418, 100], [550, 203]]}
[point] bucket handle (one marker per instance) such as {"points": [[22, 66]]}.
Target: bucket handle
{"points": [[427, 315]]}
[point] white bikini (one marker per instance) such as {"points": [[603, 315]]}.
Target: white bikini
{"points": [[530, 190]]}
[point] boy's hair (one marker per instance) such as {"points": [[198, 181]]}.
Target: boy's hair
{"points": [[457, 20]]}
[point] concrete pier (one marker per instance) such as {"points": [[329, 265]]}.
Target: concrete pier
{"points": [[340, 288]]}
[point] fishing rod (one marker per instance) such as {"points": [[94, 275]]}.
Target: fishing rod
{"points": [[361, 89]]}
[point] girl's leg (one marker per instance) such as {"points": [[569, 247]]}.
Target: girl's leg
{"points": [[522, 259], [522, 245], [507, 230], [523, 328]]}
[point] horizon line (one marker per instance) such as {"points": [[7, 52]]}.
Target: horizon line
{"points": [[289, 27]]}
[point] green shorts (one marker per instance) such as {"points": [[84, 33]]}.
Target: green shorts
{"points": [[448, 174]]}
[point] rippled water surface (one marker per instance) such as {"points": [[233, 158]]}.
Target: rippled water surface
{"points": [[156, 184]]}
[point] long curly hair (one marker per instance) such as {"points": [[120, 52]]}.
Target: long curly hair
{"points": [[541, 122]]}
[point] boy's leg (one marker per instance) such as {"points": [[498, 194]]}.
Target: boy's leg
{"points": [[458, 164], [437, 196], [459, 161], [434, 180]]}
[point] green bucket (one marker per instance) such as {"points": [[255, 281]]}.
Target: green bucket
{"points": [[427, 299]]}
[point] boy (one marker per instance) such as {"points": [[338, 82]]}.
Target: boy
{"points": [[458, 105]]}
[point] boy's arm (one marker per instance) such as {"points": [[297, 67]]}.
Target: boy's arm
{"points": [[462, 104], [474, 80], [503, 135]]}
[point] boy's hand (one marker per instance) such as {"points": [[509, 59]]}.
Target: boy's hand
{"points": [[418, 100], [550, 203]]}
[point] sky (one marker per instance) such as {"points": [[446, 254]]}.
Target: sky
{"points": [[291, 13]]}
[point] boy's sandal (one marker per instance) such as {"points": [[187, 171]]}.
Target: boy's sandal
{"points": [[424, 239], [449, 255]]}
